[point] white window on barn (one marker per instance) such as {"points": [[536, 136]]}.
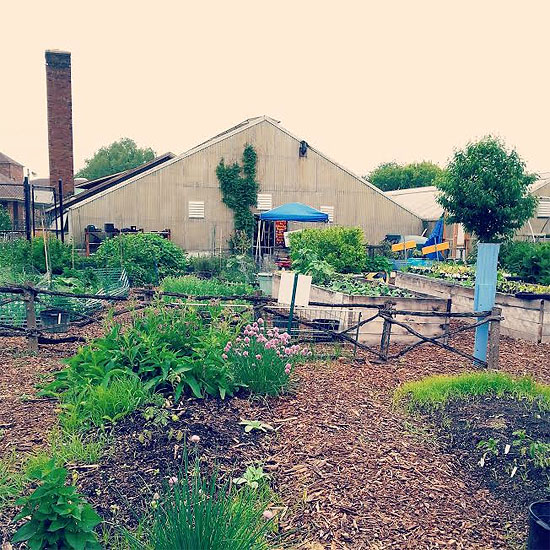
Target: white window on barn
{"points": [[543, 210], [265, 201], [196, 209], [329, 210]]}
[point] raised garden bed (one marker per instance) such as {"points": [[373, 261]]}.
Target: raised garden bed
{"points": [[370, 333], [528, 319]]}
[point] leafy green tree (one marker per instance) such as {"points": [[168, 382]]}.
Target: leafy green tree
{"points": [[120, 155], [486, 189], [5, 220], [390, 176]]}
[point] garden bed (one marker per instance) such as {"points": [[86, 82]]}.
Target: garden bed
{"points": [[350, 470], [527, 319], [370, 333]]}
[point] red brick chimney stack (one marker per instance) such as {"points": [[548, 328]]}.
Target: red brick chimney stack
{"points": [[60, 119]]}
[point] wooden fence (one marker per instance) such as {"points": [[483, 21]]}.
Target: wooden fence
{"points": [[263, 305]]}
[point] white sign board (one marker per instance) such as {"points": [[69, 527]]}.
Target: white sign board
{"points": [[43, 196], [303, 289]]}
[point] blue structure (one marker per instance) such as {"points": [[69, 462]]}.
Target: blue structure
{"points": [[436, 237], [294, 212], [485, 292]]}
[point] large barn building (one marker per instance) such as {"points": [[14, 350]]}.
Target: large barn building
{"points": [[183, 193]]}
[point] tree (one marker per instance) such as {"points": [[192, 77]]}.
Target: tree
{"points": [[5, 220], [391, 175], [486, 189], [119, 156]]}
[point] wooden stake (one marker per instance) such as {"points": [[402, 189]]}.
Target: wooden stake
{"points": [[494, 339], [29, 294]]}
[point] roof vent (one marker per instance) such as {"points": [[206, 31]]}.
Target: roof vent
{"points": [[303, 149]]}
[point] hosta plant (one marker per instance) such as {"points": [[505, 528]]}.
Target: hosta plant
{"points": [[58, 518]]}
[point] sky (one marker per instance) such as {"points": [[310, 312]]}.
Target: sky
{"points": [[365, 82]]}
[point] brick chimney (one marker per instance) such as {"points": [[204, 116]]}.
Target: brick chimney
{"points": [[60, 119]]}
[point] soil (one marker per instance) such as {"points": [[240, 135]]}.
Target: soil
{"points": [[147, 452], [464, 424], [351, 470]]}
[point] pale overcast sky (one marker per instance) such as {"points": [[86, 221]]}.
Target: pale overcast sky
{"points": [[363, 81]]}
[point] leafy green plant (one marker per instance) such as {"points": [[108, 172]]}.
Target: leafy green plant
{"points": [[5, 220], [378, 263], [250, 425], [204, 513], [349, 285], [146, 257], [59, 518], [252, 477], [167, 349], [489, 448], [341, 247], [309, 263], [530, 261], [240, 189], [95, 405]]}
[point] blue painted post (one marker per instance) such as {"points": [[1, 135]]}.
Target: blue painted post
{"points": [[485, 291]]}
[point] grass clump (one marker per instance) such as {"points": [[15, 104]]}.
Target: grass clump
{"points": [[436, 391], [198, 512], [11, 480], [95, 405]]}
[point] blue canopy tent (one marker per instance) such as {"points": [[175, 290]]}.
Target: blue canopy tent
{"points": [[290, 212], [294, 212]]}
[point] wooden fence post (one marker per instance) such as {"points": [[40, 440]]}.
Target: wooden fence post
{"points": [[494, 339], [386, 331], [29, 294]]}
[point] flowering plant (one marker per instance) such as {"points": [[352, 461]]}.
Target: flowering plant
{"points": [[263, 358]]}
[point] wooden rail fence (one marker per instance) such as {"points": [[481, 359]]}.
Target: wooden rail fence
{"points": [[266, 305]]}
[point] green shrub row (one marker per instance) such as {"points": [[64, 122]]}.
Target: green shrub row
{"points": [[530, 261]]}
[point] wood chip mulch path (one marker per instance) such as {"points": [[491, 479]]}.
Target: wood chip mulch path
{"points": [[354, 472]]}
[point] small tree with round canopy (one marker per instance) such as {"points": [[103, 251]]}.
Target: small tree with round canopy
{"points": [[486, 189]]}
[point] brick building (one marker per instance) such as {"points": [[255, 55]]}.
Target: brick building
{"points": [[11, 196]]}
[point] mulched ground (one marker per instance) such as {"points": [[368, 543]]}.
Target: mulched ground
{"points": [[354, 472]]}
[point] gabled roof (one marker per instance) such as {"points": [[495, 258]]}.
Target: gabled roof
{"points": [[105, 183], [4, 159], [242, 126], [419, 200], [422, 200], [544, 179]]}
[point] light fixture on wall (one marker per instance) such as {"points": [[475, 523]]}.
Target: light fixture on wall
{"points": [[303, 149]]}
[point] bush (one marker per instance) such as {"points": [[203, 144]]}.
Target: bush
{"points": [[146, 257], [58, 517], [168, 349], [263, 359], [341, 247], [20, 255], [378, 263], [530, 261], [5, 220]]}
